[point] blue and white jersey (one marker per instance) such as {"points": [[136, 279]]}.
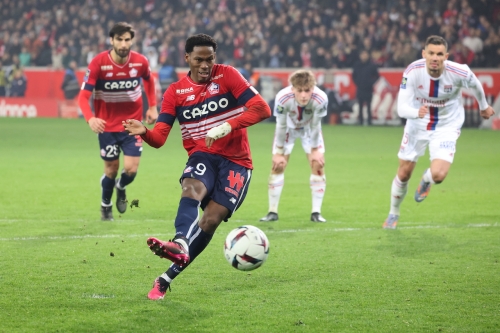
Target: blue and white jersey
{"points": [[443, 95]]}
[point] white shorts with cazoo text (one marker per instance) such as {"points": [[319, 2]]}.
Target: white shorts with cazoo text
{"points": [[304, 135], [441, 142]]}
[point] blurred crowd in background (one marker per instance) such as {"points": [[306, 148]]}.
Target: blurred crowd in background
{"points": [[259, 33]]}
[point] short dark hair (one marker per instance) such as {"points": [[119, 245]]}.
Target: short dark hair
{"points": [[436, 40], [121, 28], [199, 40]]}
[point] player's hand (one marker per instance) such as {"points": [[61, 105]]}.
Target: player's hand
{"points": [[424, 109], [97, 125], [317, 156], [134, 127], [487, 113], [279, 163], [217, 132], [151, 115]]}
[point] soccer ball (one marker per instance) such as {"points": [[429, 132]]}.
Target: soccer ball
{"points": [[246, 248]]}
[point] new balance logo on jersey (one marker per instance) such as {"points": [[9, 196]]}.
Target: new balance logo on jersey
{"points": [[109, 74], [184, 91], [190, 98]]}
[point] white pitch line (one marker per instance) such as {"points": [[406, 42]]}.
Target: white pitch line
{"points": [[30, 238]]}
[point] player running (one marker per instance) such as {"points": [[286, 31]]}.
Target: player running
{"points": [[430, 97], [115, 79]]}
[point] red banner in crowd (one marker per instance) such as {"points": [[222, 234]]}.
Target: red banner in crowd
{"points": [[44, 96], [28, 107]]}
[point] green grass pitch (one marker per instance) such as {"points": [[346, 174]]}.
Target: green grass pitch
{"points": [[63, 270]]}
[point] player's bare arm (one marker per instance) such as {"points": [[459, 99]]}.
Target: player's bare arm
{"points": [[424, 109], [134, 127], [151, 115], [487, 113], [97, 125]]}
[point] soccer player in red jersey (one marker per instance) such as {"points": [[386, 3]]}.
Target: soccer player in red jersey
{"points": [[115, 79], [213, 104]]}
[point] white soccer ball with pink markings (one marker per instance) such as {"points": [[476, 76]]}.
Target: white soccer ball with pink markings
{"points": [[246, 248]]}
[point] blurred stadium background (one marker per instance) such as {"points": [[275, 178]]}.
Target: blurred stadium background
{"points": [[265, 39]]}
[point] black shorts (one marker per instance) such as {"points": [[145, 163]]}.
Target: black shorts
{"points": [[112, 143], [226, 182]]}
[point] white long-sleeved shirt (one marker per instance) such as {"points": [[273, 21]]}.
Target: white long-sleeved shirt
{"points": [[443, 95], [290, 114]]}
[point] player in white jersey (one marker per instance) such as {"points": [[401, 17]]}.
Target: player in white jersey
{"points": [[430, 98], [298, 110]]}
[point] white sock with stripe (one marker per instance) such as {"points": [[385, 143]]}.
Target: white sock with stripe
{"points": [[276, 183], [398, 193]]}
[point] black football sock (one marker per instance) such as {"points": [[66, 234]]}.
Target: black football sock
{"points": [[107, 185]]}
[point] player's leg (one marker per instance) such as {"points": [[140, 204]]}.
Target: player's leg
{"points": [[276, 179], [317, 179], [442, 149], [179, 250], [198, 240], [413, 146], [132, 150], [110, 153], [275, 184], [230, 188], [186, 223]]}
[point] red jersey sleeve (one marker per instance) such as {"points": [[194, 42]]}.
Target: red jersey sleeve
{"points": [[159, 134], [257, 108], [91, 76]]}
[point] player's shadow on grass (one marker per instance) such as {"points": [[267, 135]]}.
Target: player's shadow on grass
{"points": [[414, 243]]}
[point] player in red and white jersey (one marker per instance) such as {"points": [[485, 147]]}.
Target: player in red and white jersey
{"points": [[299, 109], [114, 77], [430, 98], [213, 104]]}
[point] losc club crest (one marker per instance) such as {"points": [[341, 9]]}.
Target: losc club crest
{"points": [[213, 88], [447, 89], [133, 72]]}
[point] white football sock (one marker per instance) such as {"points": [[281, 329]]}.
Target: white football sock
{"points": [[318, 187], [183, 243], [275, 184], [428, 176], [398, 193]]}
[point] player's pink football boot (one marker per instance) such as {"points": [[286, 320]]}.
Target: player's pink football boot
{"points": [[170, 250], [158, 291]]}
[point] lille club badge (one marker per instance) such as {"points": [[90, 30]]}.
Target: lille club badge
{"points": [[213, 88]]}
